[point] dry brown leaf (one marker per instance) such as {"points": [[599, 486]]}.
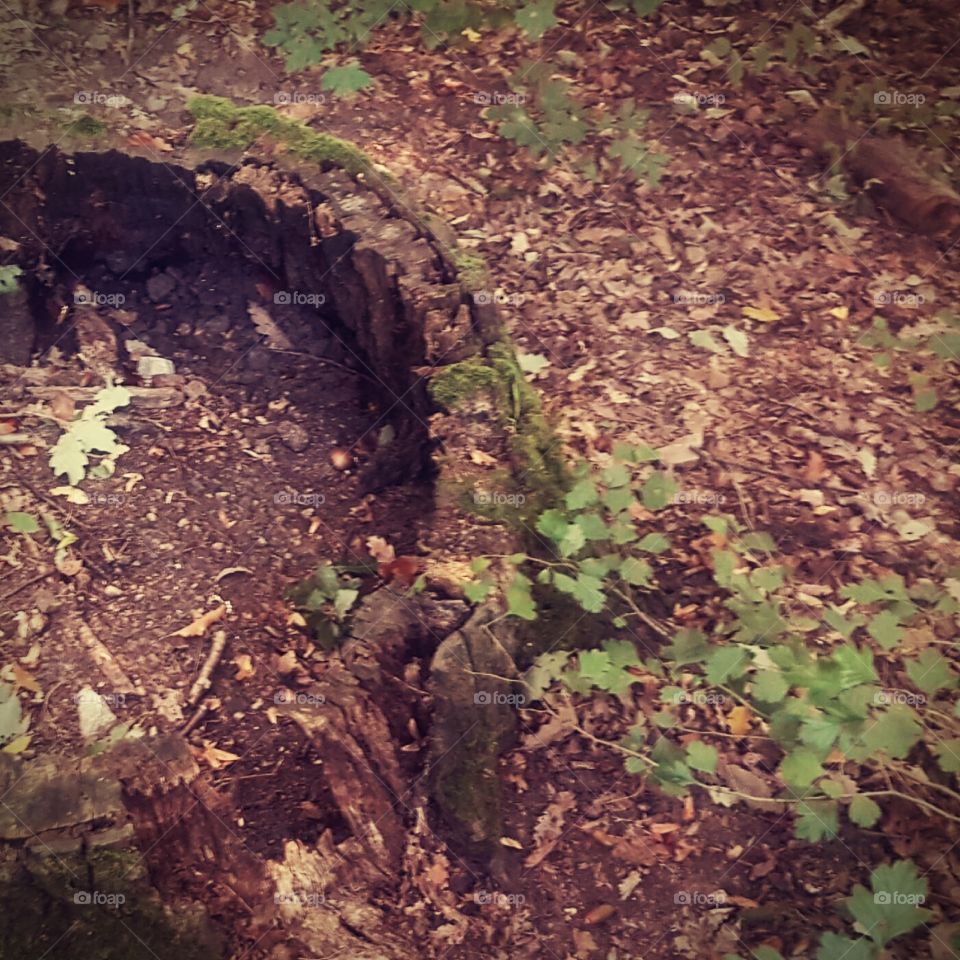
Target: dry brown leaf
{"points": [[245, 667], [213, 756], [549, 828], [199, 626], [738, 720], [815, 469], [63, 407], [24, 680], [273, 336], [482, 459]]}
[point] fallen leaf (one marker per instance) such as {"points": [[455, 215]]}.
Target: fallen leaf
{"points": [[245, 667], [402, 570], [213, 756], [762, 314], [738, 720], [380, 550], [815, 469]]}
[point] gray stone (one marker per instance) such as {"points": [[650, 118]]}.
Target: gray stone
{"points": [[160, 286]]}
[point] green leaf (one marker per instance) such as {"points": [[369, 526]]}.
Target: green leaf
{"points": [[616, 475], [726, 662], [520, 602], [701, 756], [891, 908], [593, 526], [885, 629], [835, 947], [737, 339], [635, 454], [817, 820], [689, 646], [801, 767], [477, 590], [636, 572], [345, 81], [545, 669], [864, 812], [582, 494], [894, 732], [344, 600], [931, 672], [767, 953], [948, 754], [659, 490], [11, 723], [704, 340], [8, 278], [21, 522], [770, 686], [573, 541], [617, 499], [654, 543], [586, 590], [758, 540], [106, 401], [536, 18], [553, 525], [69, 456]]}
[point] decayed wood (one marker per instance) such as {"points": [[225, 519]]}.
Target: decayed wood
{"points": [[892, 172], [360, 767]]}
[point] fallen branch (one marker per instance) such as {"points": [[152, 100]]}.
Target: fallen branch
{"points": [[209, 665], [892, 173]]}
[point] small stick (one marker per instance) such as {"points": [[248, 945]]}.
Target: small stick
{"points": [[104, 659], [209, 665], [194, 721], [24, 585]]}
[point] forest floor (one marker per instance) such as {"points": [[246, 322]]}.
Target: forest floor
{"points": [[790, 424]]}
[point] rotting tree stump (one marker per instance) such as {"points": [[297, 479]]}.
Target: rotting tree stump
{"points": [[389, 287]]}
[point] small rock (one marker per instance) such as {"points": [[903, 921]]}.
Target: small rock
{"points": [[93, 713], [160, 286], [293, 436], [148, 366]]}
